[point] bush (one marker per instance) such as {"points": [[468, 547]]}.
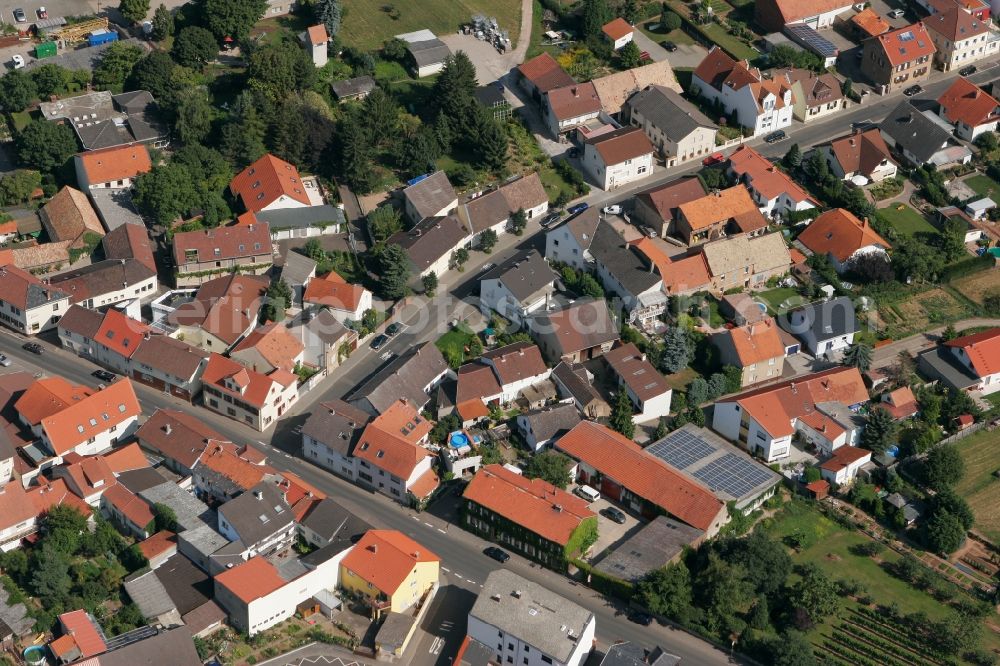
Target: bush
{"points": [[671, 21]]}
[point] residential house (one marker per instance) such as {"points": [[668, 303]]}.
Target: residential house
{"points": [[225, 471], [775, 192], [645, 386], [842, 237], [774, 15], [111, 168], [618, 32], [574, 382], [678, 130], [570, 106], [126, 509], [823, 328], [81, 638], [493, 210], [326, 341], [969, 108], [390, 569], [269, 348], [391, 457], [624, 472], [822, 408], [867, 23], [429, 245], [36, 258], [74, 418], [353, 89], [224, 310], [269, 184], [681, 275], [180, 438], [898, 58], [314, 39], [169, 365], [260, 519], [541, 427], [518, 287], [719, 214], [968, 363], [107, 282], [577, 332], [756, 349], [330, 434], [129, 241], [476, 386], [657, 207], [247, 396], [919, 139], [409, 376], [27, 304], [542, 74], [68, 216], [759, 104], [297, 271], [570, 242], [87, 477], [531, 516], [862, 153], [503, 627], [814, 95], [287, 223], [843, 466], [614, 89], [103, 120], [748, 263], [431, 196], [21, 510], [239, 248], [624, 273], [978, 8], [619, 157], [961, 38], [516, 366], [112, 343], [428, 54], [901, 403]]}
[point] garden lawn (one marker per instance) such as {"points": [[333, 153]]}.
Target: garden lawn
{"points": [[983, 185], [736, 47], [679, 381], [907, 221], [452, 344], [676, 36], [775, 297], [979, 487], [367, 24]]}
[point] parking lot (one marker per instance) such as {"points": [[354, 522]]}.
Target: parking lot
{"points": [[608, 531]]}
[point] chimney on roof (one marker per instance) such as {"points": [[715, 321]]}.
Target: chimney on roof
{"points": [[576, 92], [167, 429], [516, 594], [373, 548], [792, 386], [258, 494], [864, 223]]}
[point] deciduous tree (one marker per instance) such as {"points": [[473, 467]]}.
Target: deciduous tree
{"points": [[194, 46], [944, 532], [487, 240], [194, 116], [277, 69], [134, 10], [17, 91], [116, 64], [17, 187], [430, 283], [383, 222], [153, 73], [43, 145], [550, 466], [233, 18], [596, 14], [668, 592], [166, 192], [50, 79], [276, 300]]}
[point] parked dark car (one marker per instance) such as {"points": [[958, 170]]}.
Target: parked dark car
{"points": [[578, 208], [775, 137], [393, 329], [379, 342], [915, 89], [967, 71], [668, 45], [617, 515], [551, 219], [33, 347], [497, 554], [103, 375], [863, 125], [640, 617]]}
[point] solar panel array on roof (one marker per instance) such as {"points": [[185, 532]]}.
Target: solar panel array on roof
{"points": [[681, 449], [812, 40], [732, 474]]}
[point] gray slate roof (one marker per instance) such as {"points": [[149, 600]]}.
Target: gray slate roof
{"points": [[621, 262], [102, 278], [190, 512], [404, 377], [536, 615], [256, 519], [431, 194], [297, 269], [524, 274], [649, 549], [337, 424], [149, 594], [669, 112], [361, 85], [430, 239], [300, 218], [631, 654], [826, 320], [550, 422], [914, 132], [172, 647], [568, 378], [429, 52], [942, 363]]}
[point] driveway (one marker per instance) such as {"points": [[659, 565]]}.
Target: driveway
{"points": [[655, 51], [490, 64], [687, 56], [609, 533]]}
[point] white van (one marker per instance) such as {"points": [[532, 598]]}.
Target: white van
{"points": [[588, 493]]}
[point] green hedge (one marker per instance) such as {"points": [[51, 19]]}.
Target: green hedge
{"points": [[604, 583], [966, 267]]}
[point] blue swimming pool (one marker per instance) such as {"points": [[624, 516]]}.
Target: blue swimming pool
{"points": [[458, 439]]}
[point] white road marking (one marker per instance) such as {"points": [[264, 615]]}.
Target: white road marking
{"points": [[441, 531], [428, 524], [415, 518], [446, 569]]}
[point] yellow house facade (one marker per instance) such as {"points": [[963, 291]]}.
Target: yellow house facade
{"points": [[389, 568]]}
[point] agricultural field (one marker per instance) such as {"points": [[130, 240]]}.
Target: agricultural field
{"points": [[367, 24], [975, 287], [920, 312], [906, 221], [979, 486]]}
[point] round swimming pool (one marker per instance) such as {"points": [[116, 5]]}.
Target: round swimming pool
{"points": [[35, 655], [458, 439]]}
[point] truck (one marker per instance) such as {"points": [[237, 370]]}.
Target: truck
{"points": [[102, 36], [46, 50]]}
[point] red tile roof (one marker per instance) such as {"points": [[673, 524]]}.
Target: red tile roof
{"points": [[844, 456], [126, 458], [717, 69], [425, 484], [983, 350], [158, 544], [758, 342], [966, 102], [385, 558], [17, 284], [300, 495], [627, 143], [224, 307], [275, 344], [906, 44], [617, 29], [68, 216], [317, 34], [622, 460], [839, 233], [733, 203], [764, 177], [79, 625], [90, 474], [957, 25], [545, 73], [533, 504], [257, 388], [574, 101], [237, 241], [776, 14], [177, 435], [861, 151], [516, 362], [226, 463], [120, 333], [55, 493], [390, 441], [335, 292], [114, 164], [129, 505], [48, 396], [901, 403], [870, 23], [267, 180], [251, 580], [86, 418]]}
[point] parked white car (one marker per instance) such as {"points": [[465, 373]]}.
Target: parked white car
{"points": [[17, 61], [612, 210]]}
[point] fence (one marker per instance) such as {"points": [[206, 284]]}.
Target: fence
{"points": [[962, 434]]}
